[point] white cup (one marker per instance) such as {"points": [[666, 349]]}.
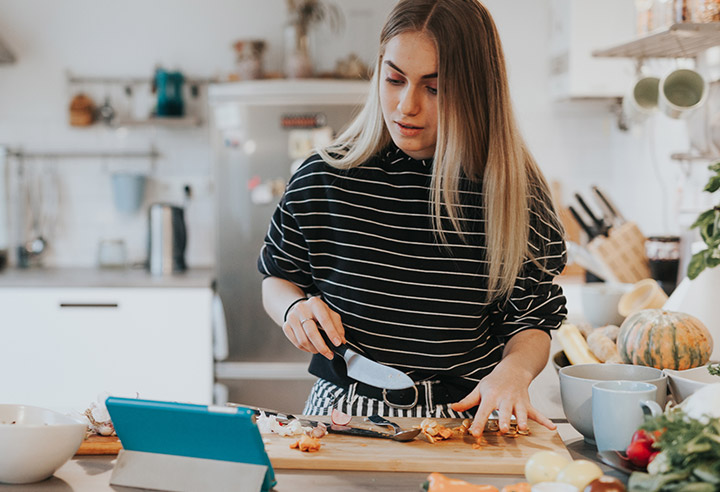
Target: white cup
{"points": [[642, 101], [682, 91], [617, 410]]}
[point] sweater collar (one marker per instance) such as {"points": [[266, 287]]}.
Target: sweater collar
{"points": [[393, 154]]}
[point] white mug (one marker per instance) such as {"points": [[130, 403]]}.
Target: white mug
{"points": [[617, 410], [642, 100], [682, 91]]}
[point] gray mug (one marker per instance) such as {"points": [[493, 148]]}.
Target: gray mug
{"points": [[617, 409]]}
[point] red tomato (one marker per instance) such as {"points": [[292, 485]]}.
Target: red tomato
{"points": [[639, 452], [641, 435]]}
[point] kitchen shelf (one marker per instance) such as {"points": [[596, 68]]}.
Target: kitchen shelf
{"points": [[687, 157], [168, 122], [685, 40]]}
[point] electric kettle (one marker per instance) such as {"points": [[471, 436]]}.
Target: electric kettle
{"points": [[167, 238]]}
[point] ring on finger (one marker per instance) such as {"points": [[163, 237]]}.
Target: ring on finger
{"points": [[302, 321]]}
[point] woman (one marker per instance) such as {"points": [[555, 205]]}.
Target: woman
{"points": [[424, 237]]}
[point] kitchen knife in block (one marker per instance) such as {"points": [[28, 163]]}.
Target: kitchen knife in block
{"points": [[362, 369]]}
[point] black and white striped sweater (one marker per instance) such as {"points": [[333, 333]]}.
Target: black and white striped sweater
{"points": [[363, 240]]}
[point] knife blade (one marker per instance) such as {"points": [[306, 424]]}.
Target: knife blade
{"points": [[330, 427], [367, 371]]}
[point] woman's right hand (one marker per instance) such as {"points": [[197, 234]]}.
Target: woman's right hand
{"points": [[305, 319]]}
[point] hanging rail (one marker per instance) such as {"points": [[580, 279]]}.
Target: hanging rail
{"points": [[152, 154]]}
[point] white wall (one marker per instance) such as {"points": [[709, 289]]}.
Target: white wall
{"points": [[577, 143]]}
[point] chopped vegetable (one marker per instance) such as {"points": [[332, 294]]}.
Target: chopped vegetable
{"points": [[714, 369], [339, 418], [307, 444], [437, 482]]}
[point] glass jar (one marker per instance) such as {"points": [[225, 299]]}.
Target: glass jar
{"points": [[662, 14], [707, 11], [643, 15]]}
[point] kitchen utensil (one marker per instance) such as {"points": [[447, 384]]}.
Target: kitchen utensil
{"points": [[646, 294], [685, 383], [623, 253], [498, 455], [576, 384], [400, 434], [599, 224], [169, 87], [619, 461], [642, 101], [600, 302], [682, 91], [167, 238], [583, 224], [128, 191], [34, 442], [369, 372], [617, 411], [609, 209], [112, 253]]}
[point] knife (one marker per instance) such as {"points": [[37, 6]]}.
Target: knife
{"points": [[600, 226], [608, 206], [367, 371], [588, 230], [331, 428]]}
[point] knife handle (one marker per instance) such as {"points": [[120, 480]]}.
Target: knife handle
{"points": [[340, 349]]}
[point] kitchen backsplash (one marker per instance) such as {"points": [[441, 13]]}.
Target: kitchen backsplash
{"points": [[577, 143]]}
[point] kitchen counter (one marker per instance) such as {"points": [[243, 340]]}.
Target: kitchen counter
{"points": [[92, 474], [104, 278]]}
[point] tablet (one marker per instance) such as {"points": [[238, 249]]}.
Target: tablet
{"points": [[196, 431]]}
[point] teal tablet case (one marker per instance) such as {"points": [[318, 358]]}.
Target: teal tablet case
{"points": [[196, 431]]}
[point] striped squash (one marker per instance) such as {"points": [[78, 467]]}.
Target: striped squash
{"points": [[665, 340]]}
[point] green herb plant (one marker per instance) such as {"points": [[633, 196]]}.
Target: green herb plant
{"points": [[689, 455], [708, 223]]}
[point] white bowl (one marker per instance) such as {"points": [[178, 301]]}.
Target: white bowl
{"points": [[685, 383], [600, 303], [35, 442], [576, 389]]}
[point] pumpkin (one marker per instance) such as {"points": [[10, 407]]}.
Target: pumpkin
{"points": [[664, 340]]}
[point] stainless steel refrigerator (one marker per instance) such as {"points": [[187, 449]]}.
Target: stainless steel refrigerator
{"points": [[259, 130]]}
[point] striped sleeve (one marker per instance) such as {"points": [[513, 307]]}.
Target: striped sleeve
{"points": [[285, 253], [536, 301]]}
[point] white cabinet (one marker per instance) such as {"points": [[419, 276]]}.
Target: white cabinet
{"points": [[578, 28], [61, 347]]}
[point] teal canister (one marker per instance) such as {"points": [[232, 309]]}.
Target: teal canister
{"points": [[169, 87]]}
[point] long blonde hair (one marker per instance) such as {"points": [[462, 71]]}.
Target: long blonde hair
{"points": [[477, 133]]}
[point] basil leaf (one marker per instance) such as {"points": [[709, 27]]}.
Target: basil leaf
{"points": [[697, 264]]}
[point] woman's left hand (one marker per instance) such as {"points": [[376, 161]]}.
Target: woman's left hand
{"points": [[506, 392], [506, 387]]}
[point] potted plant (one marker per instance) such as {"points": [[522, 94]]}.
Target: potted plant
{"points": [[696, 293], [709, 225], [304, 14]]}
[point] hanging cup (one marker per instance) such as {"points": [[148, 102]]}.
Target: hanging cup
{"points": [[642, 101], [682, 91]]}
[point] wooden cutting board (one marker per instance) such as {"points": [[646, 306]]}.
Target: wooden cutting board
{"points": [[498, 454], [99, 445]]}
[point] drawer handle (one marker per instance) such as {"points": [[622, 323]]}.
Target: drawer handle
{"points": [[88, 304]]}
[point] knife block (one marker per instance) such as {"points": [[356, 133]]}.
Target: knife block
{"points": [[623, 252]]}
